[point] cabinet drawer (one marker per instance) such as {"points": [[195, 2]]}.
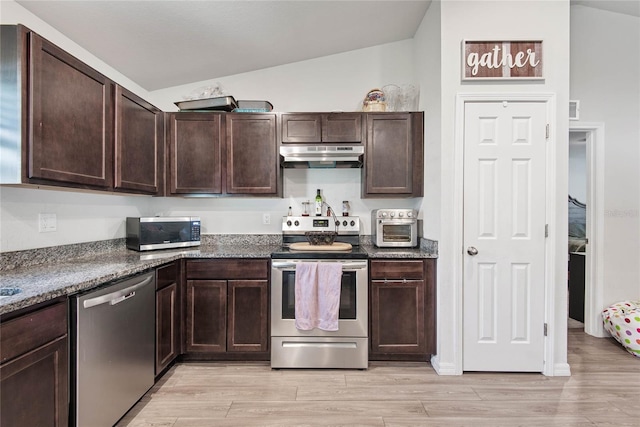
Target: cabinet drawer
{"points": [[228, 269], [25, 333], [166, 275], [412, 269]]}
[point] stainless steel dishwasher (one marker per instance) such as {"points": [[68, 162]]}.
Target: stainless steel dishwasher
{"points": [[113, 330]]}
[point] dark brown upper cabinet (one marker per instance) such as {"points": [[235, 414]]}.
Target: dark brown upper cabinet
{"points": [[71, 126], [70, 119], [139, 144], [223, 154], [313, 128], [195, 153], [252, 154], [394, 163]]}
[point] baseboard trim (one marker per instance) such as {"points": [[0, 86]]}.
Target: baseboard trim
{"points": [[443, 368], [561, 370]]}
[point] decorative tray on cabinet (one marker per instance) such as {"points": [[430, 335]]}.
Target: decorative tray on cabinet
{"points": [[221, 103]]}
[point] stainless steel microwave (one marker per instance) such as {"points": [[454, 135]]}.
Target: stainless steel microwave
{"points": [[157, 232]]}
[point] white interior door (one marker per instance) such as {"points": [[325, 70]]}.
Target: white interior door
{"points": [[504, 236]]}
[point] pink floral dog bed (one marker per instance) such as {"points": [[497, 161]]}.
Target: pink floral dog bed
{"points": [[622, 321]]}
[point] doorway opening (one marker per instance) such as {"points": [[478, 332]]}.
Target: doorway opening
{"points": [[585, 219], [577, 226]]}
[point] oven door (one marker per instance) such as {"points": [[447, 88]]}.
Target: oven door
{"points": [[397, 233], [353, 300]]}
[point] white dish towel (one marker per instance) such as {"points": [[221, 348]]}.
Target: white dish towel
{"points": [[317, 293]]}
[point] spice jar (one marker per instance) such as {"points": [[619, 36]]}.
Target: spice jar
{"points": [[345, 208]]}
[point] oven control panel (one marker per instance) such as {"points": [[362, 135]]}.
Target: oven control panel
{"points": [[395, 214], [302, 224]]}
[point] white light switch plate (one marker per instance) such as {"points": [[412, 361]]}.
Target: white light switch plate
{"points": [[47, 222]]}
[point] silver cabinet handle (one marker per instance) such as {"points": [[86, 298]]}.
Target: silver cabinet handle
{"points": [[472, 251]]}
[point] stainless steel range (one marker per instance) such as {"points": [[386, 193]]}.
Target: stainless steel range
{"points": [[346, 347]]}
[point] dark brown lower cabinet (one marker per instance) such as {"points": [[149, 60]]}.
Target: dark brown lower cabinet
{"points": [[402, 309], [247, 304], [206, 316], [34, 368], [168, 315], [226, 310]]}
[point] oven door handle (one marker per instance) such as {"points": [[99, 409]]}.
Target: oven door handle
{"points": [[397, 221], [350, 266]]}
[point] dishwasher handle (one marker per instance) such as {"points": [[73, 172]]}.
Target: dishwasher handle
{"points": [[118, 296]]}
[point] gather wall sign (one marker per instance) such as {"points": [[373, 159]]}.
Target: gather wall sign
{"points": [[502, 60]]}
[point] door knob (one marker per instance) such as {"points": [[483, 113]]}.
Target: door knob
{"points": [[472, 251]]}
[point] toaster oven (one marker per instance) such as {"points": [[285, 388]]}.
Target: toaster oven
{"points": [[394, 228]]}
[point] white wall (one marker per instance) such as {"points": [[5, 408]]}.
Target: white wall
{"points": [[578, 169], [81, 217], [333, 83], [491, 20], [427, 55], [605, 70]]}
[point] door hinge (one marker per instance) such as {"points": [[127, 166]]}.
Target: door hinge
{"points": [[546, 230], [547, 132], [545, 329]]}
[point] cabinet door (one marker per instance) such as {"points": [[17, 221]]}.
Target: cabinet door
{"points": [[342, 127], [34, 367], [252, 154], [167, 326], [206, 316], [195, 153], [315, 128], [299, 128], [394, 156], [35, 387], [398, 317], [248, 304], [71, 119], [139, 144]]}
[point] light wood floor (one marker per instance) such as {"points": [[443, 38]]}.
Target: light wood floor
{"points": [[604, 390]]}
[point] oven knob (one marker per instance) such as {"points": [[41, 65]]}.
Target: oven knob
{"points": [[409, 214], [392, 214], [289, 223], [383, 214], [344, 223], [353, 223], [337, 223], [296, 223], [400, 214]]}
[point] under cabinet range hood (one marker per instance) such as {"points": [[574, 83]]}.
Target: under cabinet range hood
{"points": [[321, 156]]}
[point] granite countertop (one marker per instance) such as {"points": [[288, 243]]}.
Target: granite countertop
{"points": [[74, 271], [375, 252], [47, 281]]}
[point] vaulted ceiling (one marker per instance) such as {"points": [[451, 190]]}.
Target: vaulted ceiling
{"points": [[160, 44]]}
